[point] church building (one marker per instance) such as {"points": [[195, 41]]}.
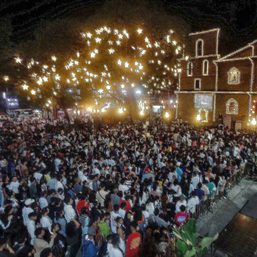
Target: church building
{"points": [[211, 86]]}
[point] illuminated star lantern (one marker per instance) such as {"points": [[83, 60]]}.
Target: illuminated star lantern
{"points": [[57, 77], [111, 51], [89, 35], [92, 54], [25, 87], [139, 31], [18, 60], [112, 62], [54, 58], [40, 81], [98, 40]]}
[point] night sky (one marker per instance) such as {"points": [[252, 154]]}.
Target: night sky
{"points": [[237, 19]]}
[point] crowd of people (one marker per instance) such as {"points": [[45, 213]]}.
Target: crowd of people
{"points": [[110, 190]]}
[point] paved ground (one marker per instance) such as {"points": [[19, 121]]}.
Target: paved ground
{"points": [[225, 209], [239, 238]]}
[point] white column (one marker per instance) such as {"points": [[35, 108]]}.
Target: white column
{"points": [[214, 108], [177, 105]]}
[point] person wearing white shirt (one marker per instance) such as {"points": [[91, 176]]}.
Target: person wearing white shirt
{"points": [[31, 226], [57, 163], [101, 195], [81, 175], [180, 202], [176, 187], [195, 180], [69, 212], [38, 176], [146, 214], [59, 185], [122, 187], [26, 210], [122, 212], [115, 247], [14, 185], [51, 184], [192, 203], [150, 207], [172, 176], [206, 191], [45, 221], [42, 202], [114, 215]]}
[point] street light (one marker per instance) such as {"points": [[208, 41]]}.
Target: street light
{"points": [[141, 113], [5, 78], [121, 110], [166, 115], [253, 122]]}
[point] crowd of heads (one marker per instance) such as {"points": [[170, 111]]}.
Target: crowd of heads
{"points": [[94, 189]]}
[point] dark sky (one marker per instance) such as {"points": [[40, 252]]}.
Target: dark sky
{"points": [[237, 18]]}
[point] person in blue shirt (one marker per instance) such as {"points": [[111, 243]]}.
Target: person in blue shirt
{"points": [[199, 192], [179, 172], [89, 249]]}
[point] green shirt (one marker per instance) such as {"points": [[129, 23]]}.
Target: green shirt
{"points": [[104, 228]]}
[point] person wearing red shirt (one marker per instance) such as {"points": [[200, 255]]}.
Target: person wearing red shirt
{"points": [[133, 242], [82, 203], [182, 216], [128, 205]]}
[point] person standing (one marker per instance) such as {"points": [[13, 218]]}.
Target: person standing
{"points": [[69, 212], [133, 242], [40, 243]]}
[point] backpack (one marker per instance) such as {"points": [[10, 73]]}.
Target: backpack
{"points": [[89, 249]]}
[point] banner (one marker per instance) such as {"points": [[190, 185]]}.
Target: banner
{"points": [[203, 101]]}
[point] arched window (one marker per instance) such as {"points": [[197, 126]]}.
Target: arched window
{"points": [[205, 67], [199, 47], [189, 69], [234, 76], [232, 106]]}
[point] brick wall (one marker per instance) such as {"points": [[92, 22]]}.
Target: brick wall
{"points": [[209, 42], [244, 67], [208, 82], [186, 109], [242, 102]]}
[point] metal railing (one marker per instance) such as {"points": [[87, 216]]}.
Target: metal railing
{"points": [[207, 204]]}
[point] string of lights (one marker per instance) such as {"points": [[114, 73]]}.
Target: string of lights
{"points": [[114, 63]]}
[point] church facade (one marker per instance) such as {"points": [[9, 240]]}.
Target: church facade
{"points": [[211, 86]]}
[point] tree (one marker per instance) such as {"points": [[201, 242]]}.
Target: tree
{"points": [[114, 64], [125, 48], [189, 244]]}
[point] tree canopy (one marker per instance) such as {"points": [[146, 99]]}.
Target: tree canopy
{"points": [[125, 47]]}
